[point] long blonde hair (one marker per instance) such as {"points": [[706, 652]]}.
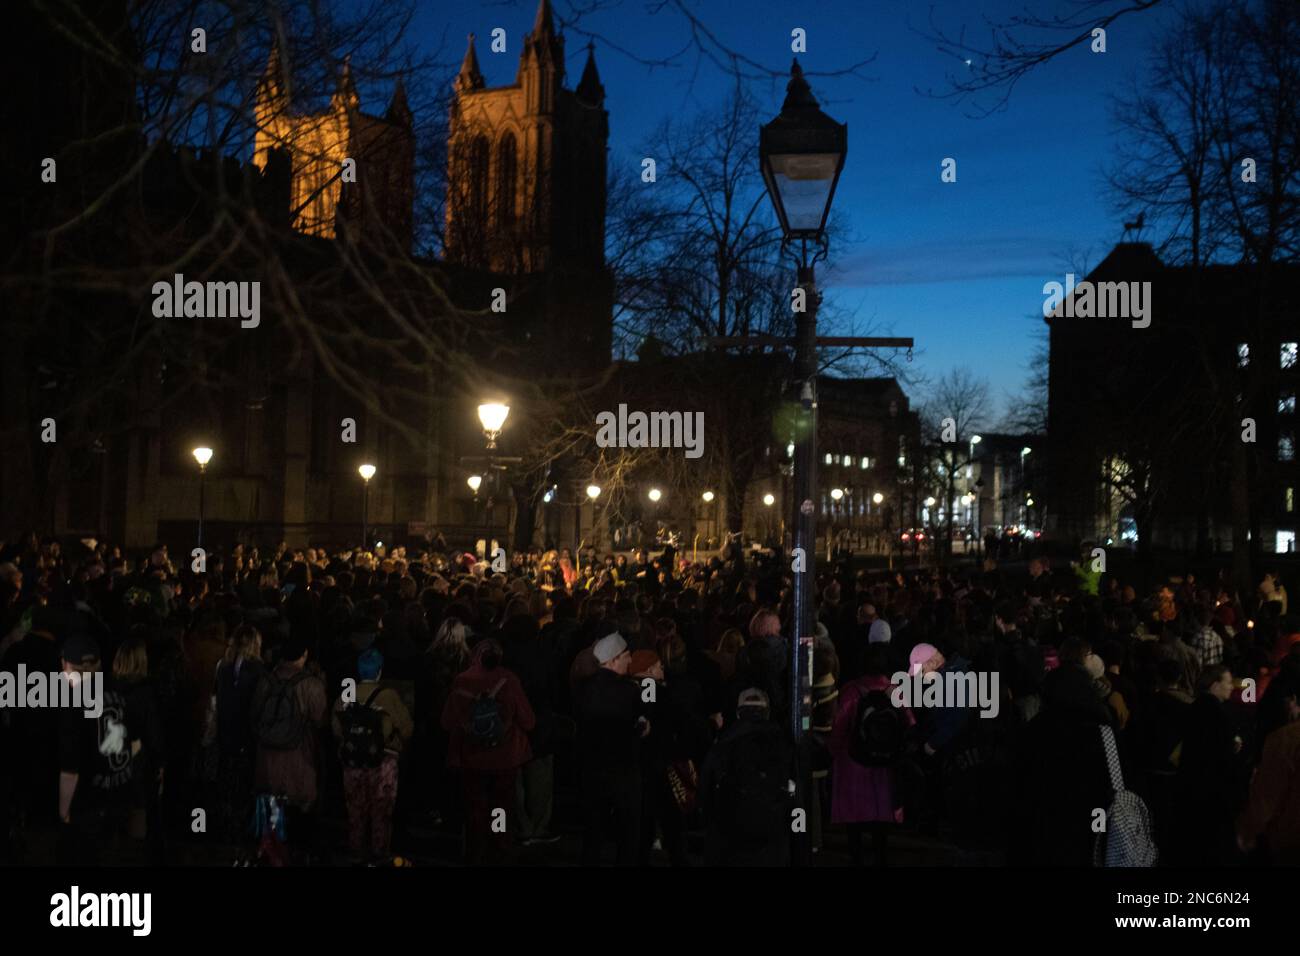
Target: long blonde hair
{"points": [[452, 636], [244, 644]]}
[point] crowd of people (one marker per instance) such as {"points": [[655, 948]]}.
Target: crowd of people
{"points": [[326, 706]]}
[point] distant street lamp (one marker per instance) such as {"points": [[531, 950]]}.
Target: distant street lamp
{"points": [[655, 494], [593, 492], [769, 499], [877, 497], [474, 482], [202, 455], [366, 471], [708, 500]]}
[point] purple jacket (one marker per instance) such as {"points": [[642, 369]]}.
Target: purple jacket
{"points": [[860, 794]]}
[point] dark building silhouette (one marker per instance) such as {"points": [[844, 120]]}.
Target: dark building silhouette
{"points": [[1145, 425]]}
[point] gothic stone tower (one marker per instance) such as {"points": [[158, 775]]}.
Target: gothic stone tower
{"points": [[527, 164], [318, 143]]}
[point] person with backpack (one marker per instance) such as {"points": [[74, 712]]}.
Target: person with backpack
{"points": [[745, 789], [488, 717], [289, 709], [765, 663], [867, 745], [371, 728]]}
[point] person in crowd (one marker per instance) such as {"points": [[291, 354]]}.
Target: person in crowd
{"points": [[289, 709], [240, 673], [1209, 781], [746, 788], [1270, 824], [612, 723], [372, 729], [96, 760], [488, 719], [867, 746]]}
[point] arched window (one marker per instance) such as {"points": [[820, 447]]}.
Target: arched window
{"points": [[478, 180], [507, 172]]}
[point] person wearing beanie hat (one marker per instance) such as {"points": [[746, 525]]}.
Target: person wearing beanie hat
{"points": [[370, 779], [611, 652], [612, 722], [745, 788], [645, 664], [924, 659]]}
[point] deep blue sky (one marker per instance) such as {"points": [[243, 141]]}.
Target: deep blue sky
{"points": [[961, 266]]}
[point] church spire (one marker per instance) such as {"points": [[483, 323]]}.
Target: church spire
{"points": [[272, 86], [544, 22], [469, 77], [398, 110], [589, 87], [346, 94]]}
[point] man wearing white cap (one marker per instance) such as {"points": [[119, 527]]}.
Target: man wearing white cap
{"points": [[611, 724]]}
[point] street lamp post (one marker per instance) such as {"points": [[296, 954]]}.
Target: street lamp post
{"points": [[708, 500], [202, 455], [492, 417], [593, 492], [801, 153], [475, 482], [366, 471], [1024, 452]]}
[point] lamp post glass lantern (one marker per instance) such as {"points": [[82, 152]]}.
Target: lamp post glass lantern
{"points": [[492, 416]]}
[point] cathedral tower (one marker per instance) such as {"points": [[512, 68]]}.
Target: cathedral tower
{"points": [[527, 163]]}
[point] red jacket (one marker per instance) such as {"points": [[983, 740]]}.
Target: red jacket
{"points": [[516, 714]]}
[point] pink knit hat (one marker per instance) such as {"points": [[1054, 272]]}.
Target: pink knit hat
{"points": [[920, 654]]}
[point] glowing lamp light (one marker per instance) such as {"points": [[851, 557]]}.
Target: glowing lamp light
{"points": [[655, 494], [202, 456], [837, 493], [493, 415], [877, 497], [707, 496], [929, 502], [366, 472], [474, 482], [593, 492], [769, 499]]}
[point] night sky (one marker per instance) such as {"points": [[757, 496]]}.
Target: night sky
{"points": [[961, 266]]}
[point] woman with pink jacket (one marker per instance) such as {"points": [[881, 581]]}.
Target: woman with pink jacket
{"points": [[865, 797]]}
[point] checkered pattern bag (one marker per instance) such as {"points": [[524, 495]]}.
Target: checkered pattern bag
{"points": [[1127, 839]]}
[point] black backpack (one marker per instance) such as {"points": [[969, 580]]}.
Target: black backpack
{"points": [[752, 800], [278, 722], [485, 727], [361, 745], [879, 731]]}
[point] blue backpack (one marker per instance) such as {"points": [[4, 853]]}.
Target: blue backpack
{"points": [[485, 726]]}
